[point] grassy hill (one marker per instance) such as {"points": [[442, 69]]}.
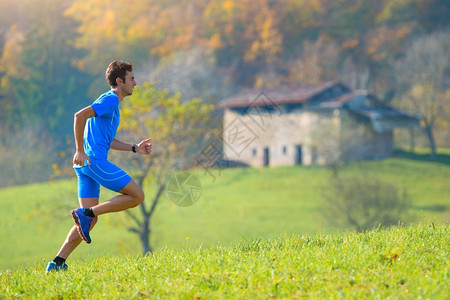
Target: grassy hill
{"points": [[398, 263], [239, 205]]}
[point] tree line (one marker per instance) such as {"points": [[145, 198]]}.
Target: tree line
{"points": [[54, 52]]}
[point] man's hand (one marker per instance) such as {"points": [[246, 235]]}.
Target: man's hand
{"points": [[80, 157], [144, 147]]}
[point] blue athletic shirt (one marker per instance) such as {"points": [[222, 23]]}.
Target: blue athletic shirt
{"points": [[101, 129]]}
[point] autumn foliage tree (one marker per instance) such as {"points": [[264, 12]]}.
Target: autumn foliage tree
{"points": [[53, 52], [176, 130]]}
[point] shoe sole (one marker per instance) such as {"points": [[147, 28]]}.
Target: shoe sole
{"points": [[77, 222]]}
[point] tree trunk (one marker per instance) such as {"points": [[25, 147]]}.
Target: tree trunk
{"points": [[429, 132], [145, 236], [144, 233], [412, 143]]}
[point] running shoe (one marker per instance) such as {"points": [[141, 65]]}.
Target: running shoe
{"points": [[53, 267], [83, 223]]}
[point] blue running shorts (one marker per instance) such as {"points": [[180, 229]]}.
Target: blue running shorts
{"points": [[104, 173]]}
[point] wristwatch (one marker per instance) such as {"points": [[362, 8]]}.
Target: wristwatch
{"points": [[133, 148]]}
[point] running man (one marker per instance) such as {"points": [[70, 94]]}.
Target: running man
{"points": [[95, 127]]}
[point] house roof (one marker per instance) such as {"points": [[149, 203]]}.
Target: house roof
{"points": [[342, 100], [332, 94], [279, 95]]}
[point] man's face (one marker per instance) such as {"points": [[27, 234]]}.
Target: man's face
{"points": [[129, 84]]}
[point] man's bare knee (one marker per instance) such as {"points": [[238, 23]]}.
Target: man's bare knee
{"points": [[135, 192], [138, 197]]}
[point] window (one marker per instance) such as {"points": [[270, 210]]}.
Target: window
{"points": [[284, 150]]}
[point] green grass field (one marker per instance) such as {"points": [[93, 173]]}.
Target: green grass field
{"points": [[396, 263], [240, 205]]}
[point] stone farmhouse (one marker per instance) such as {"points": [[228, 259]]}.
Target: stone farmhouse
{"points": [[307, 125]]}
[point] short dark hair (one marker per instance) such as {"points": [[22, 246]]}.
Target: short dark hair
{"points": [[117, 69]]}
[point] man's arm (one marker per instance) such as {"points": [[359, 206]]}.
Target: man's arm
{"points": [[144, 147], [79, 123], [121, 146]]}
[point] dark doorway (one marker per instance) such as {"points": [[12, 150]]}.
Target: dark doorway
{"points": [[298, 154], [266, 157]]}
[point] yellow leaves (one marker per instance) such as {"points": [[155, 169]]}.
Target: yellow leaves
{"points": [[126, 112], [4, 83], [380, 42], [271, 38], [108, 24], [316, 5], [393, 9], [215, 42], [253, 52], [139, 29], [157, 113], [418, 91], [268, 41], [56, 170], [228, 5], [10, 60]]}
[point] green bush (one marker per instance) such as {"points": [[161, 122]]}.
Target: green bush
{"points": [[364, 202]]}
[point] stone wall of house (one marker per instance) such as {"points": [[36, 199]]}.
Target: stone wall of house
{"points": [[373, 145], [277, 139], [360, 141]]}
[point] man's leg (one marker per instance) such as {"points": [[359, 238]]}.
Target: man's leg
{"points": [[132, 196], [73, 238], [72, 241]]}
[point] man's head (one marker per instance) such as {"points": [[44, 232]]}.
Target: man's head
{"points": [[119, 76], [117, 69]]}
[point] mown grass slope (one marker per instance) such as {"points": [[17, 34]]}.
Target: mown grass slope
{"points": [[396, 263], [239, 204]]}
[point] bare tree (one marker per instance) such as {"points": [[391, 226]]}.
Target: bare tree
{"points": [[363, 202], [424, 81]]}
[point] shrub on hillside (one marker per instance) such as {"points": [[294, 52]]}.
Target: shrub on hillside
{"points": [[364, 202]]}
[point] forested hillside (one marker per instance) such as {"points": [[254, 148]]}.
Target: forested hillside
{"points": [[53, 54]]}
